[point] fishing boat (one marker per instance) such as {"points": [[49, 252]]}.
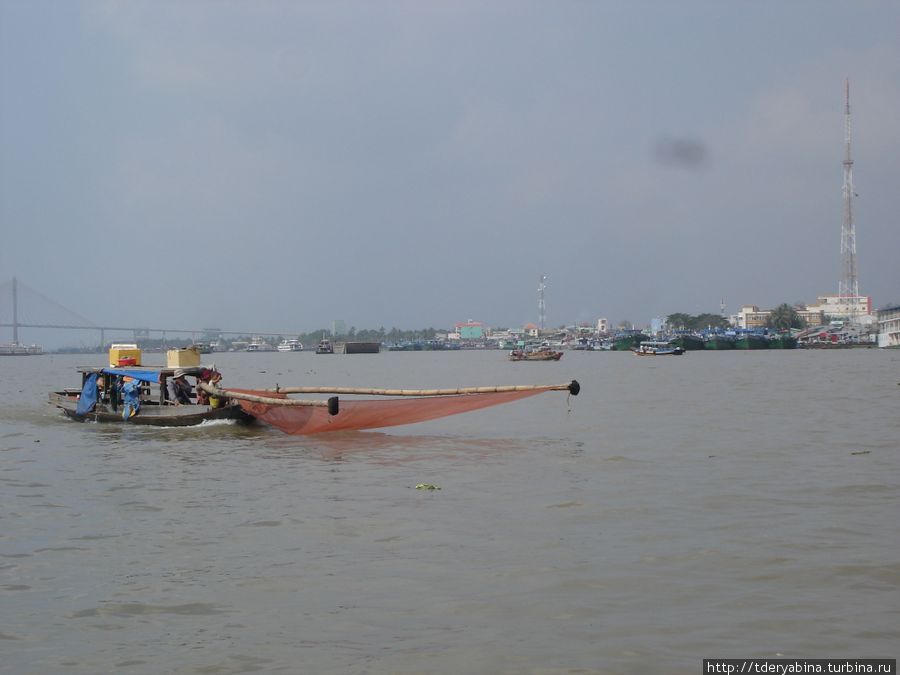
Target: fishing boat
{"points": [[324, 346], [751, 340], [658, 348], [392, 407], [137, 395], [687, 341], [542, 353], [718, 341], [782, 341], [628, 340], [290, 346]]}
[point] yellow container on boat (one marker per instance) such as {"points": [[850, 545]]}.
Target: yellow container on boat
{"points": [[183, 358], [124, 355]]}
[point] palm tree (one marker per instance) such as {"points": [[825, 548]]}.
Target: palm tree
{"points": [[784, 317]]}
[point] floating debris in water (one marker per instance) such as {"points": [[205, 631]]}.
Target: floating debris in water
{"points": [[427, 486], [861, 452]]}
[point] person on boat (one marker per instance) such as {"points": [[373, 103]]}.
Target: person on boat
{"points": [[178, 389], [131, 397], [212, 377]]}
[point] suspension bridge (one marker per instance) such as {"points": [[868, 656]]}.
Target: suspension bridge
{"points": [[22, 307]]}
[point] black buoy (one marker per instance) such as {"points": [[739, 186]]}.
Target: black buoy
{"points": [[574, 387], [333, 406]]}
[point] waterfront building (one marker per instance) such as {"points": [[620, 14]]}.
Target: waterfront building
{"points": [[750, 316], [842, 308], [470, 330], [602, 325], [889, 326], [811, 317]]}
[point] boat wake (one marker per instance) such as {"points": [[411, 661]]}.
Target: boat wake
{"points": [[207, 424]]}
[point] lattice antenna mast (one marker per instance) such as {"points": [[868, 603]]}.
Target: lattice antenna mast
{"points": [[849, 285], [542, 307]]}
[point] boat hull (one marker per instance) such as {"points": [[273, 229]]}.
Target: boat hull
{"points": [[151, 414], [718, 342], [688, 342], [751, 342], [517, 355], [674, 351], [783, 342], [626, 343]]}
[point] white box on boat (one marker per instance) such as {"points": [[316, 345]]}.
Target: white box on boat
{"points": [[183, 358]]}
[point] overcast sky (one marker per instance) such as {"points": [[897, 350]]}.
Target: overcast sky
{"points": [[280, 165]]}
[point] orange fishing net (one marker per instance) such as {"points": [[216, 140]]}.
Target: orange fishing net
{"points": [[371, 414]]}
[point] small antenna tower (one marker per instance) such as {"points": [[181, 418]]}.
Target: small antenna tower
{"points": [[542, 307], [848, 288], [722, 307]]}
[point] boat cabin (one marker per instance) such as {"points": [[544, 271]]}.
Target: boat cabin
{"points": [[154, 380]]}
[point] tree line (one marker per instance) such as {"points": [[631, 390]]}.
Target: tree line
{"points": [[783, 317]]}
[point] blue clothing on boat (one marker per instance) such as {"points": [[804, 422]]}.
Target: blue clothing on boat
{"points": [[131, 398]]}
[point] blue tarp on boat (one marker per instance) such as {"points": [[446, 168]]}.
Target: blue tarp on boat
{"points": [[88, 398], [142, 374]]}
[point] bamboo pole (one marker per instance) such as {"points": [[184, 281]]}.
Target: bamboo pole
{"points": [[572, 387], [227, 393]]}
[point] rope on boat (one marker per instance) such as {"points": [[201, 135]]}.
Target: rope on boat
{"points": [[572, 387]]}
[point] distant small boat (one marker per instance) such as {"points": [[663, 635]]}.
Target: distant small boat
{"points": [[542, 353], [658, 348], [324, 347], [290, 346]]}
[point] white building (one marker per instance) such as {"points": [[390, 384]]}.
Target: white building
{"points": [[836, 307], [751, 316], [889, 326]]}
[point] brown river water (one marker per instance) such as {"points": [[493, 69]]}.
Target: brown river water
{"points": [[727, 504]]}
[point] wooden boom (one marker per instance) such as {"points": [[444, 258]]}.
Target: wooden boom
{"points": [[572, 387], [332, 403]]}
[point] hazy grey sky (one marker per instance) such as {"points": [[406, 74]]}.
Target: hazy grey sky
{"points": [[279, 165]]}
